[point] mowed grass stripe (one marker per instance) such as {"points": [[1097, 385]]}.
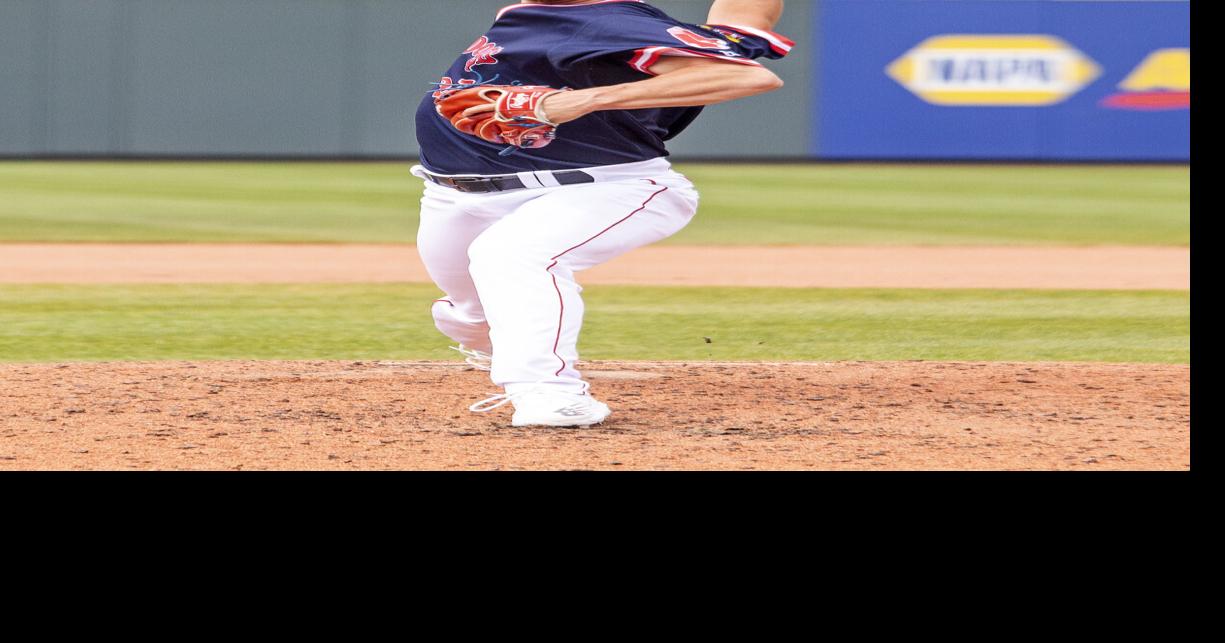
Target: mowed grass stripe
{"points": [[157, 322], [741, 204], [278, 202], [919, 204]]}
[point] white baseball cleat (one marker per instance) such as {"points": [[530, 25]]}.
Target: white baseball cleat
{"points": [[480, 360], [543, 407], [546, 408]]}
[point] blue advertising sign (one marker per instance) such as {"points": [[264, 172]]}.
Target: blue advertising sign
{"points": [[1003, 79]]}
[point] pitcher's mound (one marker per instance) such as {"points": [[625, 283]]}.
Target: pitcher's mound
{"points": [[413, 415]]}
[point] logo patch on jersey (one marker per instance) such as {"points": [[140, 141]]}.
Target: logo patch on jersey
{"points": [[697, 40], [483, 52], [447, 86], [730, 35]]}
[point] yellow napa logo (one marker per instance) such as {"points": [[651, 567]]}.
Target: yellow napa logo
{"points": [[1162, 81], [1001, 70], [1164, 69]]}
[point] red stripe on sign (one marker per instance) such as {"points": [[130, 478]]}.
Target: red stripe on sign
{"points": [[1149, 101], [560, 300]]}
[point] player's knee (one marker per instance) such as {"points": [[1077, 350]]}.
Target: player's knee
{"points": [[488, 254], [494, 254]]}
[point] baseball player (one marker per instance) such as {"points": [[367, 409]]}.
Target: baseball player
{"points": [[542, 148]]}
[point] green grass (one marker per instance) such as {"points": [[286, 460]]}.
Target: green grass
{"points": [[220, 202], [741, 204], [917, 204], [152, 322]]}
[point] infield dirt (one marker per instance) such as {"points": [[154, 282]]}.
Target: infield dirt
{"points": [[1087, 267], [408, 415], [402, 415]]}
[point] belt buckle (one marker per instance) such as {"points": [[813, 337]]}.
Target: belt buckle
{"points": [[461, 183]]}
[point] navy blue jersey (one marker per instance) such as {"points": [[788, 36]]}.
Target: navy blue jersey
{"points": [[580, 46]]}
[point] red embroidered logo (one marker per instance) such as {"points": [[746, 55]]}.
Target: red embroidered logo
{"points": [[447, 86], [697, 40], [483, 51]]}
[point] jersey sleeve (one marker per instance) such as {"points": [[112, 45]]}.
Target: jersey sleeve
{"points": [[640, 41]]}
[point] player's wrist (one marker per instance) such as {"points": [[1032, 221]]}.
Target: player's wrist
{"points": [[564, 107]]}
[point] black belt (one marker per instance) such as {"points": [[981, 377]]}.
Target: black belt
{"points": [[506, 181]]}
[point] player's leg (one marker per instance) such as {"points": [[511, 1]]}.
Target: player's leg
{"points": [[446, 230], [523, 267]]}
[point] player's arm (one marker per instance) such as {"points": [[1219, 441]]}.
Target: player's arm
{"points": [[679, 82], [759, 14]]}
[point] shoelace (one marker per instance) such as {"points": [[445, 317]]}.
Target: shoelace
{"points": [[501, 399], [494, 401], [473, 358]]}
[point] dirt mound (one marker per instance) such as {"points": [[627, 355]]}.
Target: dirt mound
{"points": [[402, 415]]}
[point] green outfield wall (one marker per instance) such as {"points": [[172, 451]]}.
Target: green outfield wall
{"points": [[291, 77]]}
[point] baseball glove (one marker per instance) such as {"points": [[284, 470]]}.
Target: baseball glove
{"points": [[517, 118]]}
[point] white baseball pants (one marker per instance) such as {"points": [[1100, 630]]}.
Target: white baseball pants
{"points": [[506, 260]]}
